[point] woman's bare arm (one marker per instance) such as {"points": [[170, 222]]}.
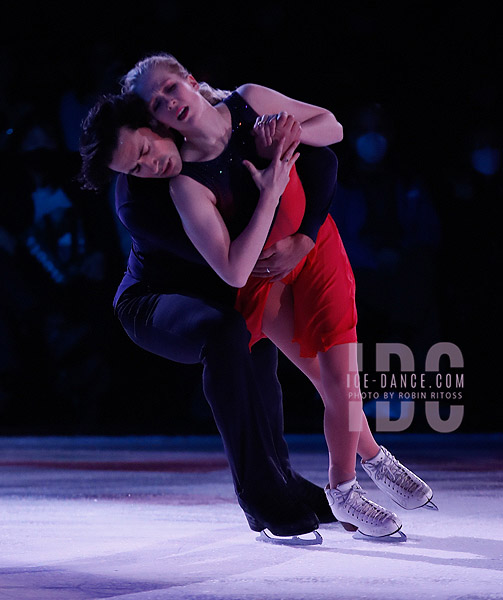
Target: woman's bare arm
{"points": [[232, 260], [319, 125]]}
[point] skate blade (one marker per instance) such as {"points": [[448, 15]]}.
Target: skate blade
{"points": [[397, 537], [430, 505], [306, 539]]}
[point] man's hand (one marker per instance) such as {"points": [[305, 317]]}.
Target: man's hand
{"points": [[282, 257], [270, 129]]}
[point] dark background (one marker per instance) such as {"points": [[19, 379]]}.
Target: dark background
{"points": [[416, 86]]}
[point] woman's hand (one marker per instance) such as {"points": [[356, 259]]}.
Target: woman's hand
{"points": [[274, 179], [269, 129]]}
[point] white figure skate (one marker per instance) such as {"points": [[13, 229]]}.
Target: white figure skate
{"points": [[401, 484], [357, 513]]}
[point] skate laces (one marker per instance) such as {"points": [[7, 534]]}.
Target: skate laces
{"points": [[390, 468], [355, 501]]}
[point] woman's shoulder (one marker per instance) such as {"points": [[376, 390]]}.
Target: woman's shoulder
{"points": [[262, 99], [247, 90], [253, 93], [239, 105]]}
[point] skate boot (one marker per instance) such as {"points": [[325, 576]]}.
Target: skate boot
{"points": [[355, 512], [390, 476]]}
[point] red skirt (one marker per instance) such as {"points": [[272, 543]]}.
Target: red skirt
{"points": [[322, 283]]}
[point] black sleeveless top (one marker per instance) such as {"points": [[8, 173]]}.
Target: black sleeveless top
{"points": [[226, 176]]}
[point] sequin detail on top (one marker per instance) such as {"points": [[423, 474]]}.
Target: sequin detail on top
{"points": [[234, 189]]}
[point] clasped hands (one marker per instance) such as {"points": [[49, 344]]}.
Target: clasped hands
{"points": [[282, 257]]}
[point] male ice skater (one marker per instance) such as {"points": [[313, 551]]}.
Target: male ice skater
{"points": [[171, 303]]}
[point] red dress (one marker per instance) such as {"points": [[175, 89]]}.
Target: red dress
{"points": [[322, 283]]}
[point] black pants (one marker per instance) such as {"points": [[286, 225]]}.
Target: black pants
{"points": [[245, 397]]}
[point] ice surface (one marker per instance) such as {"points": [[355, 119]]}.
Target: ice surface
{"points": [[156, 518]]}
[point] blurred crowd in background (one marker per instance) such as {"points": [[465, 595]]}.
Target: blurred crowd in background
{"points": [[419, 181]]}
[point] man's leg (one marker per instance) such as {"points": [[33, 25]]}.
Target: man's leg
{"points": [[190, 330], [265, 358]]}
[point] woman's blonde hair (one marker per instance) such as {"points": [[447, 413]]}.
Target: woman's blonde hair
{"points": [[131, 81]]}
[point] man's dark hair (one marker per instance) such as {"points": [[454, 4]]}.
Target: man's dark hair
{"points": [[100, 135]]}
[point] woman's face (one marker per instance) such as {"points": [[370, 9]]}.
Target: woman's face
{"points": [[172, 99], [144, 153]]}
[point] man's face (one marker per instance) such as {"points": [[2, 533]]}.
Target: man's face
{"points": [[143, 153]]}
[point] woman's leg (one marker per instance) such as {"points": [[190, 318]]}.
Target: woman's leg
{"points": [[367, 446], [342, 422], [278, 326], [329, 376], [343, 410]]}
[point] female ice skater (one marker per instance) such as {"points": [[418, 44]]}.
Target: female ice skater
{"points": [[310, 314]]}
